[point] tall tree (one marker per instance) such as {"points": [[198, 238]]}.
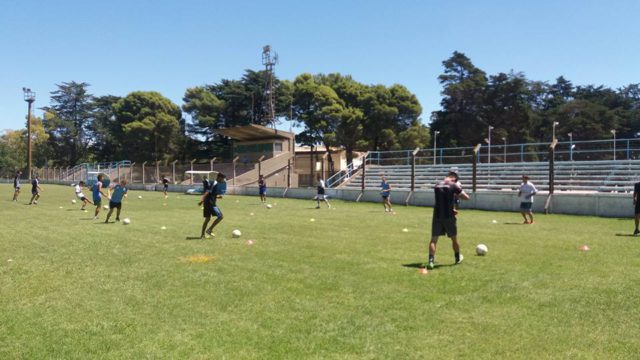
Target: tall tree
{"points": [[151, 125], [70, 126], [108, 135]]}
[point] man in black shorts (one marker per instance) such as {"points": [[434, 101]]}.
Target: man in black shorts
{"points": [[636, 203], [444, 219], [208, 201], [165, 184], [35, 190]]}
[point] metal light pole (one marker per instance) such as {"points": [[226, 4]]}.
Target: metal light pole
{"points": [[435, 139], [614, 144], [555, 123], [504, 157], [570, 146], [29, 97]]}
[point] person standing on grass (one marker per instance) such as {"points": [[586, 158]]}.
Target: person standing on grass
{"points": [[526, 193], [115, 200], [210, 207], [96, 189], [636, 203], [386, 194], [262, 185], [81, 196], [321, 192], [35, 190], [165, 184], [16, 186], [444, 220]]}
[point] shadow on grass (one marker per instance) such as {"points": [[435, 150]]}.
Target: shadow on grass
{"points": [[514, 223], [629, 235], [422, 264], [194, 238]]}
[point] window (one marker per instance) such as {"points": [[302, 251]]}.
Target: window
{"points": [[277, 147]]}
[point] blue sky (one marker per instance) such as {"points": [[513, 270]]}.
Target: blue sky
{"points": [[121, 46]]}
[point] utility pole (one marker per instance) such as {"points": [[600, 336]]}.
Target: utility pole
{"points": [[269, 95]]}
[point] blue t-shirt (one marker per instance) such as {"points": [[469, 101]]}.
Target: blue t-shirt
{"points": [[95, 189], [118, 193], [385, 186]]}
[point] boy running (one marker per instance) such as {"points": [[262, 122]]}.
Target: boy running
{"points": [[35, 190], [115, 200], [16, 186], [263, 189], [636, 205], [165, 184], [444, 219], [208, 200], [96, 189], [321, 195], [386, 194], [527, 190], [81, 196]]}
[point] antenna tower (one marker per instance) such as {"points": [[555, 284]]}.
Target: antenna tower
{"points": [[269, 60]]}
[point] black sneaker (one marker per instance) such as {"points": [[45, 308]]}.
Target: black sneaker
{"points": [[117, 219], [430, 265], [636, 232]]}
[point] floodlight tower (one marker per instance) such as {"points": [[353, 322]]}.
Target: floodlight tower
{"points": [[269, 60], [29, 97]]}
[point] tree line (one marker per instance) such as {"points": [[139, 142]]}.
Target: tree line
{"points": [[333, 110]]}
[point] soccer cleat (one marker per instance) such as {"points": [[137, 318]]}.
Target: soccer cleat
{"points": [[636, 232], [117, 219], [459, 260], [210, 233], [430, 265], [526, 222]]}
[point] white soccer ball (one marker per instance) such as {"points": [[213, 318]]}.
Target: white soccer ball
{"points": [[236, 233], [269, 206], [482, 249], [139, 196], [126, 221], [73, 201], [106, 207]]}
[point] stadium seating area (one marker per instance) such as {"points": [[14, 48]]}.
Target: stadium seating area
{"points": [[582, 176]]}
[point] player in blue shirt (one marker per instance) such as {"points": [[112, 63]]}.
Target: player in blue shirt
{"points": [[115, 200], [262, 185], [97, 192], [385, 191], [208, 201]]}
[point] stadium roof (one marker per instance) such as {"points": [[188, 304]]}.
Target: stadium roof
{"points": [[254, 132]]}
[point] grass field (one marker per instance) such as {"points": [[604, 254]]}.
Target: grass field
{"points": [[346, 285]]}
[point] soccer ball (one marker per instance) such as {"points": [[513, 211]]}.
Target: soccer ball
{"points": [[139, 196], [106, 207], [236, 233], [126, 221], [269, 206], [73, 201], [482, 249]]}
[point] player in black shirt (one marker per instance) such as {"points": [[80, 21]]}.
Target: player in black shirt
{"points": [[444, 215], [208, 201], [165, 184], [16, 186], [35, 190]]}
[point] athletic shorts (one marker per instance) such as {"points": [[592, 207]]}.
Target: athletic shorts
{"points": [[441, 227], [263, 191], [34, 192], [384, 197], [115, 205], [17, 188], [210, 211], [97, 202], [321, 197], [525, 206], [166, 187], [83, 198], [637, 207]]}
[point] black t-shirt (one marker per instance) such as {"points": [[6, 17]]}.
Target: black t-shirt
{"points": [[34, 185], [165, 181], [16, 181], [212, 195], [445, 194]]}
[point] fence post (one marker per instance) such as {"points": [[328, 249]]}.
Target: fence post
{"points": [[552, 151], [143, 164], [235, 160], [323, 158], [211, 164], [173, 170], [364, 172], [521, 152], [157, 171], [131, 172], [627, 149], [288, 173], [118, 167], [260, 165], [474, 170], [191, 179], [413, 168]]}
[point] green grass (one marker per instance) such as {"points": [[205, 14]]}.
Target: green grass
{"points": [[343, 286]]}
